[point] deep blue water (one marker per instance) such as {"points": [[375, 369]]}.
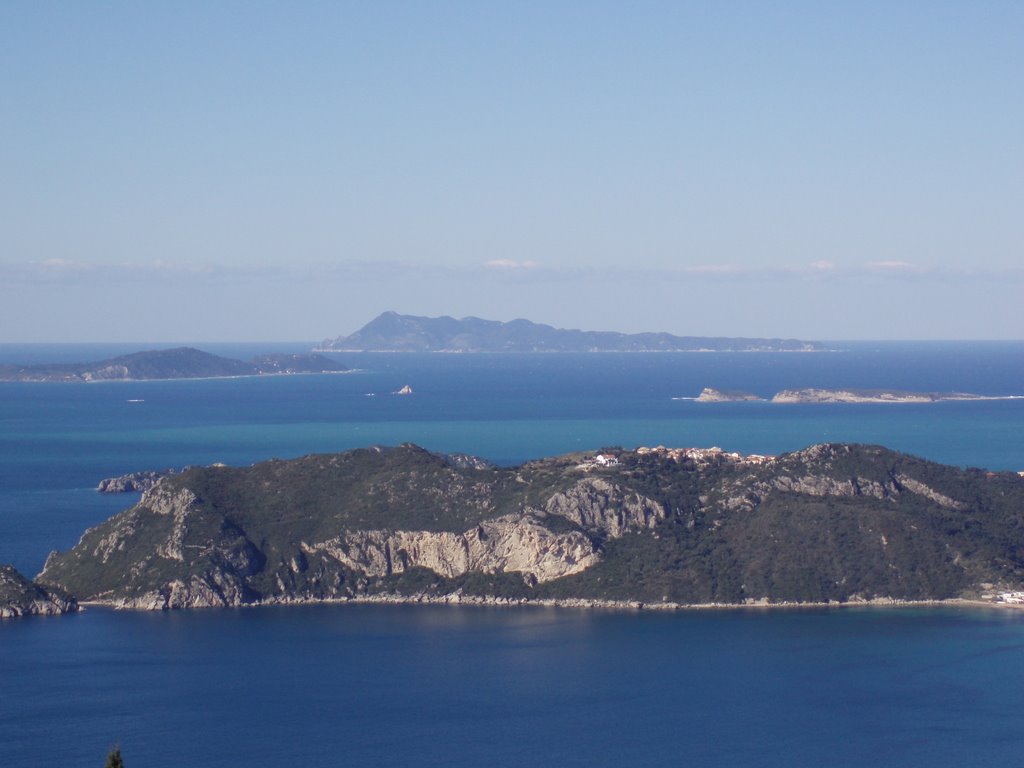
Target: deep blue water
{"points": [[449, 686], [385, 685]]}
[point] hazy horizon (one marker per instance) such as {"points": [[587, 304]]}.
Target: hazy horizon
{"points": [[268, 172]]}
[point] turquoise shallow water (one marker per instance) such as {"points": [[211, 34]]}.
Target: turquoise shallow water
{"points": [[58, 440], [449, 686]]}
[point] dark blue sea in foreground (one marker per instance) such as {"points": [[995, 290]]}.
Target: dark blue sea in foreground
{"points": [[384, 685], [451, 686]]}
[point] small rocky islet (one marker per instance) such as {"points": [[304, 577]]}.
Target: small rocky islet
{"points": [[815, 395]]}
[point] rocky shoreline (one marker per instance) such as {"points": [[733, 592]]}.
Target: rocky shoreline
{"points": [[588, 604], [21, 597]]}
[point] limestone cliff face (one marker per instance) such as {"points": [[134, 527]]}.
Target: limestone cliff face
{"points": [[916, 486], [595, 504], [748, 496], [107, 373], [519, 543], [165, 552], [508, 543], [177, 505], [216, 588], [169, 551]]}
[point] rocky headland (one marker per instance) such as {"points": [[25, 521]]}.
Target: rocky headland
{"points": [[135, 482], [652, 526], [21, 597]]}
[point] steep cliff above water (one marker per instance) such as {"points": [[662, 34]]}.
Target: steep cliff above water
{"points": [[830, 523], [21, 597]]}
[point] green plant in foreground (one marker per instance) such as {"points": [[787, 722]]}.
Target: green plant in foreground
{"points": [[114, 758]]}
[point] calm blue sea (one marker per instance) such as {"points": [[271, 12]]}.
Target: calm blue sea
{"points": [[343, 685]]}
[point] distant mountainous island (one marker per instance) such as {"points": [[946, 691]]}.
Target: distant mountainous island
{"points": [[178, 363], [817, 395], [650, 526], [392, 332]]}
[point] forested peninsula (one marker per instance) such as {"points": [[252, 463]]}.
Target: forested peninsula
{"points": [[650, 526]]}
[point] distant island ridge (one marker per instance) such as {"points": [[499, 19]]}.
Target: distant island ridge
{"points": [[818, 395], [392, 332], [177, 363]]}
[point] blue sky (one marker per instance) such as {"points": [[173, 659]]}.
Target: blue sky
{"points": [[284, 171]]}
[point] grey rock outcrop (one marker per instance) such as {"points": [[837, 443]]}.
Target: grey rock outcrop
{"points": [[916, 486], [598, 505], [211, 589], [510, 543], [135, 482], [710, 395], [21, 597], [467, 461]]}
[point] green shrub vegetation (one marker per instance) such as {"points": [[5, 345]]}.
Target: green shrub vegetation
{"points": [[832, 522]]}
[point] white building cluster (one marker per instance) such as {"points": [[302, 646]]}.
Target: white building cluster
{"points": [[697, 455], [600, 460], [704, 455]]}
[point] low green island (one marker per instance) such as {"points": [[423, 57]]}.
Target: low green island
{"points": [[819, 396], [648, 527], [177, 363]]}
